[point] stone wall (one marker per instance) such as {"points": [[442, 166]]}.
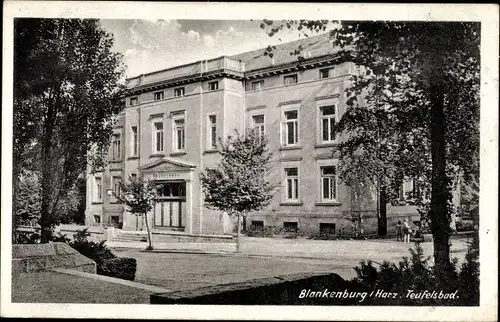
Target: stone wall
{"points": [[28, 258], [284, 290]]}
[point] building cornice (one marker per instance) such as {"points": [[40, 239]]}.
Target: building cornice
{"points": [[183, 80], [309, 63]]}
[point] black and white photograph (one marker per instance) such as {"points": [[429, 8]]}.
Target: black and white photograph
{"points": [[250, 161]]}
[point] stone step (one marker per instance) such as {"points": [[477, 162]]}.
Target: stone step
{"points": [[167, 238]]}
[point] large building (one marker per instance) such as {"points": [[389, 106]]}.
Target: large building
{"points": [[169, 128]]}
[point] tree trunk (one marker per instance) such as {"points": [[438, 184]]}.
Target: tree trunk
{"points": [[238, 234], [150, 242], [439, 214], [45, 215], [382, 216]]}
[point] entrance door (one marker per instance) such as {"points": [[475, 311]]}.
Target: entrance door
{"points": [[170, 205]]}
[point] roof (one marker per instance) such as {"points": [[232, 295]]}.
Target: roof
{"points": [[317, 46]]}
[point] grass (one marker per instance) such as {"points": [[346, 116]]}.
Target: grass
{"points": [[52, 287]]}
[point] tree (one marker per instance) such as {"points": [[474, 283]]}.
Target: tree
{"points": [[427, 78], [239, 185], [67, 85], [138, 195]]}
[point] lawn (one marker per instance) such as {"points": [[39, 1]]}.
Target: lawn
{"points": [[52, 287]]}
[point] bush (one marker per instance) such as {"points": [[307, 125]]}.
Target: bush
{"points": [[120, 267], [107, 263], [416, 274]]}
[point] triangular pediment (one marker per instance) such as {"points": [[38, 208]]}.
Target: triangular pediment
{"points": [[167, 164]]}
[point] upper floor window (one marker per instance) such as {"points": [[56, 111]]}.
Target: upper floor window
{"points": [[324, 73], [213, 86], [290, 128], [179, 136], [178, 92], [329, 183], [290, 79], [134, 141], [116, 146], [158, 136], [258, 124], [98, 189], [212, 128], [327, 123], [159, 96], [292, 183], [134, 101], [257, 85]]}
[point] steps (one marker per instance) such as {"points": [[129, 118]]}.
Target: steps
{"points": [[170, 237]]}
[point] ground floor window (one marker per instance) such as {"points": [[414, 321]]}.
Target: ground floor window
{"points": [[327, 228], [292, 183], [290, 226], [257, 225], [328, 183]]}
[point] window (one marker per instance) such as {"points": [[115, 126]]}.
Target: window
{"points": [[134, 101], [402, 192], [290, 79], [97, 219], [116, 187], [116, 144], [327, 123], [258, 85], [417, 191], [328, 183], [179, 134], [292, 183], [290, 128], [178, 92], [158, 96], [326, 228], [258, 124], [213, 86], [158, 136], [290, 226], [114, 220], [134, 142], [324, 73], [98, 190], [257, 225], [212, 128]]}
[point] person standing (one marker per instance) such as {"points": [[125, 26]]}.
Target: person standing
{"points": [[406, 231], [399, 231]]}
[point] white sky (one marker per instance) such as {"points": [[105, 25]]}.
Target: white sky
{"points": [[149, 45]]}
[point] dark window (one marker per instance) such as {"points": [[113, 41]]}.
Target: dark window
{"points": [[290, 226], [114, 220], [290, 79], [324, 73], [159, 96], [258, 85], [327, 228], [257, 225], [179, 92], [172, 190], [97, 219], [213, 86], [134, 101]]}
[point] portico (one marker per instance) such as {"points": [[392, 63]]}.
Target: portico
{"points": [[173, 208]]}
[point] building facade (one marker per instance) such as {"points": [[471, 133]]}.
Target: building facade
{"points": [[169, 128]]}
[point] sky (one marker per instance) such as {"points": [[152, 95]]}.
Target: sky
{"points": [[150, 45]]}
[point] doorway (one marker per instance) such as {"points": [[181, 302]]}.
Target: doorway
{"points": [[170, 205]]}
